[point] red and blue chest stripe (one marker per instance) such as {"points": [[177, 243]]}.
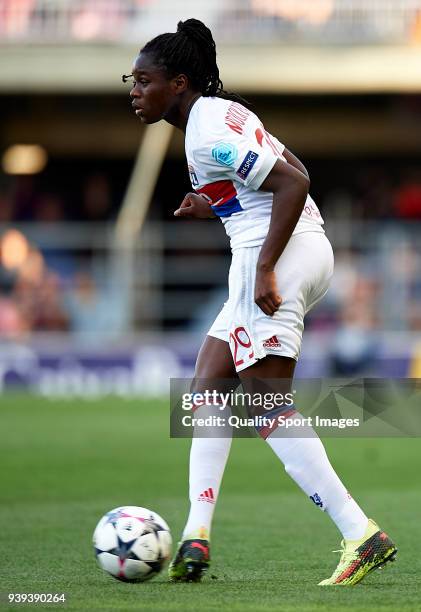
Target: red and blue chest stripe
{"points": [[223, 198]]}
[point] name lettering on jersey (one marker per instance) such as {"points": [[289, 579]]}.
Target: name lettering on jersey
{"points": [[224, 153], [193, 176], [236, 117], [247, 164]]}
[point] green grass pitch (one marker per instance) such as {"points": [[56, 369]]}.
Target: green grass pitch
{"points": [[64, 464]]}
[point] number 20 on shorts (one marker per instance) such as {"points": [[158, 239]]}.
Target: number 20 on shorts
{"points": [[239, 339]]}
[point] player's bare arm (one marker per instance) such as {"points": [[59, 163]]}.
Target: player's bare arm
{"points": [[294, 161], [289, 186]]}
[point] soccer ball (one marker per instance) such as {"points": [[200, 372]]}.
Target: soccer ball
{"points": [[132, 543]]}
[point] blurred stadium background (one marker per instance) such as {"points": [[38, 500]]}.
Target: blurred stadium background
{"points": [[94, 299]]}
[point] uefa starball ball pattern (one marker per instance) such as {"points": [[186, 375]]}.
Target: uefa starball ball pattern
{"points": [[132, 544]]}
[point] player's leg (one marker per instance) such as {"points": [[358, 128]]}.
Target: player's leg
{"points": [[364, 545], [208, 457], [303, 274], [305, 458]]}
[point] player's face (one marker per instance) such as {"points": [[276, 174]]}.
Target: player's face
{"points": [[153, 94]]}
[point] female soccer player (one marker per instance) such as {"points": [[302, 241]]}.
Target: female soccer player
{"points": [[281, 266]]}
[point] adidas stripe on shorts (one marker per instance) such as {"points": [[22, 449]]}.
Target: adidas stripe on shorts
{"points": [[303, 274]]}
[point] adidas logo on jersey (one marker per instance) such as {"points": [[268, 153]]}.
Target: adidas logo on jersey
{"points": [[272, 342], [207, 496]]}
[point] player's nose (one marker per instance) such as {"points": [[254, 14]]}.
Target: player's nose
{"points": [[134, 92]]}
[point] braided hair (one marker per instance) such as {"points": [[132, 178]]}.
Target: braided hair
{"points": [[190, 51]]}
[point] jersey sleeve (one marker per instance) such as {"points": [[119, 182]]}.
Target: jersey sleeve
{"points": [[245, 157]]}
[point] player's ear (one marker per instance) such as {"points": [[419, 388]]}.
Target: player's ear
{"points": [[181, 83]]}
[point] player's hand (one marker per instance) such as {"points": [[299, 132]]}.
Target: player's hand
{"points": [[266, 294], [195, 207]]}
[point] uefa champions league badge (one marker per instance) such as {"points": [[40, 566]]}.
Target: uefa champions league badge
{"points": [[224, 153]]}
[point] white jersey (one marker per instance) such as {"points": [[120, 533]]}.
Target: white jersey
{"points": [[229, 155]]}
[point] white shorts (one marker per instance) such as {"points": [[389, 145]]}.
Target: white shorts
{"points": [[303, 273]]}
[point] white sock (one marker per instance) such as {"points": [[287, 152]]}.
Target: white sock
{"points": [[208, 457], [305, 460]]}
